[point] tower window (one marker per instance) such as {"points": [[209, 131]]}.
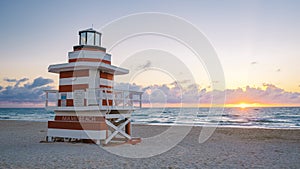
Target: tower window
{"points": [[83, 38], [90, 38], [97, 39]]}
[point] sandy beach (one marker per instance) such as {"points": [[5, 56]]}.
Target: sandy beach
{"points": [[227, 148]]}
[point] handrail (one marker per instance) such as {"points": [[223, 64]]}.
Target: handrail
{"points": [[119, 98], [47, 99], [115, 98]]}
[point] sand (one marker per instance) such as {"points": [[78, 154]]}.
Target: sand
{"points": [[20, 147]]}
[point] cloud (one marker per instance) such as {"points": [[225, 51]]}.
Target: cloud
{"points": [[187, 81], [20, 81], [38, 82], [253, 63], [154, 93], [144, 66], [17, 82], [271, 94], [28, 93], [9, 80], [33, 93], [174, 93]]}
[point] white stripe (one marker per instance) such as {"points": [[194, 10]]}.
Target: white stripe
{"points": [[93, 78], [69, 95], [87, 65], [89, 54], [91, 97], [80, 134], [104, 96], [73, 80], [106, 82], [87, 111], [91, 110]]}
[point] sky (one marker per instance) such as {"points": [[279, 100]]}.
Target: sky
{"points": [[257, 43]]}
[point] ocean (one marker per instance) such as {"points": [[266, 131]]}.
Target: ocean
{"points": [[276, 117]]}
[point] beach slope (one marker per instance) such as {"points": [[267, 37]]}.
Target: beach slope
{"points": [[20, 147]]}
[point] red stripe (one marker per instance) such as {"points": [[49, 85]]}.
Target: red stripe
{"points": [[80, 118], [105, 75], [104, 102], [89, 60], [70, 88], [75, 73], [104, 86], [71, 125], [69, 102], [77, 48]]}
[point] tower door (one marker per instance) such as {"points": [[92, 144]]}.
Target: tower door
{"points": [[63, 99]]}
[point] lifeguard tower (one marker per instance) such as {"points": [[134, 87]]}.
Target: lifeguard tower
{"points": [[86, 105]]}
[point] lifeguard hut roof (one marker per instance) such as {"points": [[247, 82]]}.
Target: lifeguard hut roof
{"points": [[89, 30], [87, 65]]}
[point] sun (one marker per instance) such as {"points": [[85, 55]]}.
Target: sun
{"points": [[243, 105]]}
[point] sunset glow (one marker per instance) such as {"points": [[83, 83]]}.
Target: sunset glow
{"points": [[251, 105], [259, 69], [243, 105]]}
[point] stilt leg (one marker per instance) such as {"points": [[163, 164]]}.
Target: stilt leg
{"points": [[49, 139], [98, 142]]}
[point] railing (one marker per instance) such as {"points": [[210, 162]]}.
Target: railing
{"points": [[105, 98], [53, 99], [118, 99]]}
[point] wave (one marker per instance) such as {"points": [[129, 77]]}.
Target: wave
{"points": [[262, 117]]}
